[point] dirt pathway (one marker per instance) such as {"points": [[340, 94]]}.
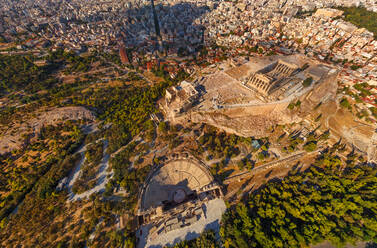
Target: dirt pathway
{"points": [[102, 177]]}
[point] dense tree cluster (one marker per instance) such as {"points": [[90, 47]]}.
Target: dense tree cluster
{"points": [[294, 142], [78, 63], [246, 162], [327, 202], [127, 108], [126, 176], [362, 18], [20, 72], [220, 144]]}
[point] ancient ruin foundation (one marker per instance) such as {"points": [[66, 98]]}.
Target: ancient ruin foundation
{"points": [[179, 197]]}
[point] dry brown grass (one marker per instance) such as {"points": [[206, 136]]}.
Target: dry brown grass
{"points": [[149, 75]]}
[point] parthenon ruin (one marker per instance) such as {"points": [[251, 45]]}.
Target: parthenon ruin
{"points": [[261, 82], [267, 79]]}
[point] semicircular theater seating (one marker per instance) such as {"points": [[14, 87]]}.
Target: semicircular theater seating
{"points": [[175, 175]]}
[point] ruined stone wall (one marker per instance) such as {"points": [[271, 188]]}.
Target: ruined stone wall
{"points": [[255, 120], [245, 121], [265, 110]]}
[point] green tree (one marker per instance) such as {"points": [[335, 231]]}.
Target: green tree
{"points": [[307, 82]]}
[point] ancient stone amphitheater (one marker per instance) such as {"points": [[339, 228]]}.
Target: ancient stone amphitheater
{"points": [[179, 200], [173, 181]]}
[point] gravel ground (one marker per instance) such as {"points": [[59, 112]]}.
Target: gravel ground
{"points": [[211, 220]]}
